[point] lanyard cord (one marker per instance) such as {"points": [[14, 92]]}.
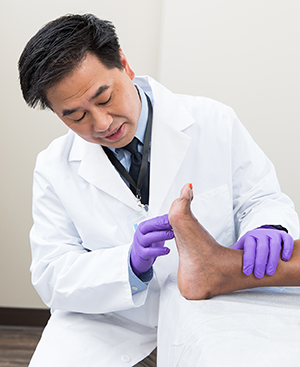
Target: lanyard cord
{"points": [[145, 153]]}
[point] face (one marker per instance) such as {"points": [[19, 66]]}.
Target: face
{"points": [[101, 105]]}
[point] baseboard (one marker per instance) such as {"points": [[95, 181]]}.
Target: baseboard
{"points": [[10, 316]]}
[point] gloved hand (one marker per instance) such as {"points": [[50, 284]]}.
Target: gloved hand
{"points": [[262, 247], [148, 243]]}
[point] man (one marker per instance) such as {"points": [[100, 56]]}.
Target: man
{"points": [[100, 229]]}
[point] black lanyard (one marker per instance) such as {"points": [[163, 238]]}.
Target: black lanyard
{"points": [[145, 153]]}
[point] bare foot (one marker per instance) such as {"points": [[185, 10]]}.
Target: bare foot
{"points": [[205, 267]]}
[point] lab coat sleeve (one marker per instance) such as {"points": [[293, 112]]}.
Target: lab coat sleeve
{"points": [[257, 197], [66, 275]]}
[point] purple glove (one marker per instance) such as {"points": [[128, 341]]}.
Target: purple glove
{"points": [[148, 243], [262, 247]]}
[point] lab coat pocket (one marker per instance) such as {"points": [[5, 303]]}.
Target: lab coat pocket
{"points": [[213, 209]]}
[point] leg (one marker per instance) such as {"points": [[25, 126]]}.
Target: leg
{"points": [[207, 269]]}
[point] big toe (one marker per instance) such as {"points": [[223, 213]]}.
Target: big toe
{"points": [[181, 207], [186, 193], [186, 197]]}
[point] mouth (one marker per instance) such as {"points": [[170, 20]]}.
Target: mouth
{"points": [[115, 134]]}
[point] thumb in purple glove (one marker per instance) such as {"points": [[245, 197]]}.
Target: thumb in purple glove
{"points": [[148, 243], [262, 247]]}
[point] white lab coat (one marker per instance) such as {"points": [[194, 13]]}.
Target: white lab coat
{"points": [[84, 216]]}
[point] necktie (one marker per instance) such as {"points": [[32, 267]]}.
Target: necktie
{"points": [[139, 183], [136, 161]]}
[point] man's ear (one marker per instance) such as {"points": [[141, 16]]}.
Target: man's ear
{"points": [[126, 66]]}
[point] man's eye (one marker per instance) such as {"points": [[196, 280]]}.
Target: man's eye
{"points": [[81, 118], [103, 103]]}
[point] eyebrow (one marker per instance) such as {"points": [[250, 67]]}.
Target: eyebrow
{"points": [[98, 92]]}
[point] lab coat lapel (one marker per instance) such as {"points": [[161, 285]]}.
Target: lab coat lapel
{"points": [[169, 143], [96, 169]]}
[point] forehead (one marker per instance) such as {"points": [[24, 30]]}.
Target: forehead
{"points": [[86, 80]]}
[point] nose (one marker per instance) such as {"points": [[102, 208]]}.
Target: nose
{"points": [[102, 121]]}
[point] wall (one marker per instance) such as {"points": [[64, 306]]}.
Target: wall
{"points": [[245, 54]]}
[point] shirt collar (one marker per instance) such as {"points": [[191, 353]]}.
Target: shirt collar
{"points": [[140, 131]]}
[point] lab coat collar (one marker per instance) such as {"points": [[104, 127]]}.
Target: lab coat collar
{"points": [[96, 168], [169, 145]]}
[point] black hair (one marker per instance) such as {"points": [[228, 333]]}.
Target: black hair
{"points": [[57, 48]]}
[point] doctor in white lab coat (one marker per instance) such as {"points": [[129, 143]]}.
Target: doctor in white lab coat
{"points": [[84, 216], [81, 203]]}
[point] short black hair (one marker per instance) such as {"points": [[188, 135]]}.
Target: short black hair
{"points": [[58, 47]]}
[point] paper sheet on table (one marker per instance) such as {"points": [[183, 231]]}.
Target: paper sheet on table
{"points": [[257, 327]]}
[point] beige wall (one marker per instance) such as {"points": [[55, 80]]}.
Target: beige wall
{"points": [[243, 53]]}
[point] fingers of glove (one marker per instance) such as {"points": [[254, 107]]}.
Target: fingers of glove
{"points": [[155, 224], [239, 245], [274, 255], [249, 245], [147, 253], [146, 240], [157, 244], [287, 246], [261, 258]]}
